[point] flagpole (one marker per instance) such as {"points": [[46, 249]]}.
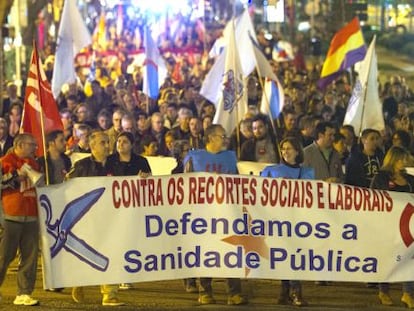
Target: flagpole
{"points": [[237, 111], [268, 104], [236, 75], [42, 123], [146, 86], [363, 108], [365, 93], [244, 92], [205, 28]]}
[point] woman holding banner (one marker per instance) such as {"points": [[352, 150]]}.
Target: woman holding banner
{"points": [[392, 176], [124, 162], [290, 167]]}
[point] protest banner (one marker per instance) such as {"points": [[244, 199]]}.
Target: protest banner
{"points": [[109, 230], [251, 168]]}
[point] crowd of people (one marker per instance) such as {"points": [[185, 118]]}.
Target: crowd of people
{"points": [[112, 119]]}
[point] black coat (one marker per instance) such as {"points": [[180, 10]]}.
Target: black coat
{"points": [[131, 168], [66, 162], [383, 181], [7, 145], [88, 167]]}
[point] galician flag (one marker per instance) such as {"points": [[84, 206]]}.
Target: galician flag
{"points": [[155, 70], [365, 107], [231, 108], [273, 99]]}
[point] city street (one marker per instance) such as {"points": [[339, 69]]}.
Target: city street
{"points": [[170, 295], [262, 294], [392, 63]]}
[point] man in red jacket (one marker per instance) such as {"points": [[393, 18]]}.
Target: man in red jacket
{"points": [[21, 229]]}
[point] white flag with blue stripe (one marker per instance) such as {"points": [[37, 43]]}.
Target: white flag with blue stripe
{"points": [[273, 99], [155, 70]]}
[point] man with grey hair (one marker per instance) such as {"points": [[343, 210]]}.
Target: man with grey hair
{"points": [[96, 165], [158, 131], [116, 128], [182, 131]]}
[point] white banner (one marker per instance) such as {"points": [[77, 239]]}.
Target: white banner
{"points": [[109, 230]]}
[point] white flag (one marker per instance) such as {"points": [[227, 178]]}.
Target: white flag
{"points": [[211, 86], [73, 36], [250, 57], [155, 69], [231, 109], [244, 31], [365, 107]]}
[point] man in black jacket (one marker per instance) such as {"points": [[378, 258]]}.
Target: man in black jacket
{"points": [[58, 164], [96, 165], [6, 141], [262, 147]]}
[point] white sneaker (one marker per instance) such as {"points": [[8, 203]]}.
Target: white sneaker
{"points": [[113, 302], [25, 300]]}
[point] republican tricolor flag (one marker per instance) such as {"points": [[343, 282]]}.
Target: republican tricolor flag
{"points": [[347, 48], [40, 111]]}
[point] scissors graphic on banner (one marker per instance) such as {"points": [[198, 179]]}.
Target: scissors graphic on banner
{"points": [[61, 229]]}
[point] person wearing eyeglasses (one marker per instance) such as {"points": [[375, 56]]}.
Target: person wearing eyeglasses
{"points": [[290, 167], [215, 158], [20, 226]]}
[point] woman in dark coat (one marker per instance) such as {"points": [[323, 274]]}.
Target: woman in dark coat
{"points": [[392, 176]]}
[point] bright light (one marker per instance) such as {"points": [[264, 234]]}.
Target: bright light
{"points": [[52, 30], [275, 13], [304, 26], [110, 3], [162, 6], [130, 12]]}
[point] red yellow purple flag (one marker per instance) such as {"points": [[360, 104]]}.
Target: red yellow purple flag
{"points": [[347, 48]]}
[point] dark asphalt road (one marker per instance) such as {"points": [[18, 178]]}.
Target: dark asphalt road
{"points": [[170, 295]]}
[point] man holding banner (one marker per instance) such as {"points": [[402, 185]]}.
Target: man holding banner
{"points": [[21, 229], [96, 165], [215, 158]]}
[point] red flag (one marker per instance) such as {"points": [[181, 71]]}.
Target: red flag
{"points": [[177, 74], [40, 111]]}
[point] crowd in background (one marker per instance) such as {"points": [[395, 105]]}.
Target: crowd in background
{"points": [[113, 101]]}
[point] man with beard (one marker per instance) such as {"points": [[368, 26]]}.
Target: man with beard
{"points": [[262, 147]]}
